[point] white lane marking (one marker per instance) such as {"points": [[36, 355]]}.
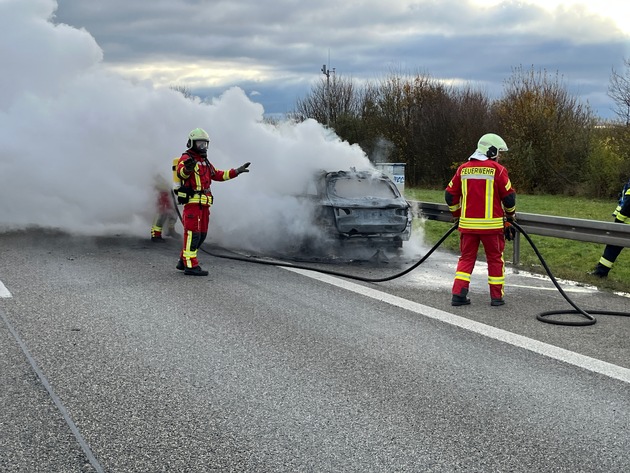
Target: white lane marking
{"points": [[4, 292], [576, 359], [577, 290]]}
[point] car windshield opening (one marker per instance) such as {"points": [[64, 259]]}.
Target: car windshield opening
{"points": [[356, 188]]}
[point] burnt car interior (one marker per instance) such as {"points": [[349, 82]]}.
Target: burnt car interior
{"points": [[360, 206]]}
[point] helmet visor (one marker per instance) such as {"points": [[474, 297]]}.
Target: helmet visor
{"points": [[200, 144]]}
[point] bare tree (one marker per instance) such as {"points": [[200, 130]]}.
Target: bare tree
{"points": [[448, 125], [548, 129], [432, 126], [619, 91], [182, 89], [331, 99]]}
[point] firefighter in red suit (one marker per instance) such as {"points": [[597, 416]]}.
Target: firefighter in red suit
{"points": [[196, 174], [166, 215], [481, 198]]}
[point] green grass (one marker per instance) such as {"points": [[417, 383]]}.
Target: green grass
{"points": [[567, 259]]}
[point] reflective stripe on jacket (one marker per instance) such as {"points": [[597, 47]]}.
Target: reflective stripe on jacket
{"points": [[480, 195], [622, 212], [201, 177]]}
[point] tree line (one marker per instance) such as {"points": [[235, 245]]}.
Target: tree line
{"points": [[557, 145]]}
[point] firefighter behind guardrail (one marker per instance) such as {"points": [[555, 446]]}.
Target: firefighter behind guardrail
{"points": [[611, 252]]}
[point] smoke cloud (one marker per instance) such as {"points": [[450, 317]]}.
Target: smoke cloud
{"points": [[80, 147]]}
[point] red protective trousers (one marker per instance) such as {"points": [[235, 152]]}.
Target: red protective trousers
{"points": [[195, 218], [493, 245]]}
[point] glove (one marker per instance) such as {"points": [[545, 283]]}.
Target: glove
{"points": [[189, 165], [508, 230], [455, 221], [243, 168]]}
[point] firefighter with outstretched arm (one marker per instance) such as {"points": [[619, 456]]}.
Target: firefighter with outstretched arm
{"points": [[196, 174]]}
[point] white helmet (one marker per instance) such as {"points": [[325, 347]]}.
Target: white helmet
{"points": [[490, 145], [198, 134], [198, 140]]}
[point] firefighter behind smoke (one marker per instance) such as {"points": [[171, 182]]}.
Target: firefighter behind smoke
{"points": [[165, 216]]}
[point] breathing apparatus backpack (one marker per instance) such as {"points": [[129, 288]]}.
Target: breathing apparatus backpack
{"points": [[183, 193]]}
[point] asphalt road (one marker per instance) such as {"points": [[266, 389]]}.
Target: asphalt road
{"points": [[111, 360]]}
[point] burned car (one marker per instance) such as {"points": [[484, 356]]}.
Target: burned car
{"points": [[360, 206]]}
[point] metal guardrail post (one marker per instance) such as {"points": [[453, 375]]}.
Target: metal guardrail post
{"points": [[516, 249]]}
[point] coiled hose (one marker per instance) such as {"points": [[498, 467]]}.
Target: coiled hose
{"points": [[543, 316]]}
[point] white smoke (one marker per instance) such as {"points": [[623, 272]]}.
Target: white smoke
{"points": [[80, 147]]}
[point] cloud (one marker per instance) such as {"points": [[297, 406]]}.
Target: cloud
{"points": [[211, 46]]}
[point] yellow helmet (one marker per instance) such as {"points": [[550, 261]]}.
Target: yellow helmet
{"points": [[490, 145]]}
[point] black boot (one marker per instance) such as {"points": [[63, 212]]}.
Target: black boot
{"points": [[180, 265], [497, 302], [460, 299], [196, 271], [600, 271]]}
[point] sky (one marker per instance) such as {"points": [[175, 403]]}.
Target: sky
{"points": [[88, 118], [274, 50]]}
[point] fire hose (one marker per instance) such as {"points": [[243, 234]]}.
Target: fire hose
{"points": [[588, 316]]}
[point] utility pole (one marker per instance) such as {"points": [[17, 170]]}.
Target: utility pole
{"points": [[326, 71]]}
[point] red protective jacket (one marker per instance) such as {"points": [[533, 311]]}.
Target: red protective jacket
{"points": [[480, 194], [200, 179]]}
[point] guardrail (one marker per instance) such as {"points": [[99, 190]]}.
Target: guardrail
{"points": [[593, 231]]}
